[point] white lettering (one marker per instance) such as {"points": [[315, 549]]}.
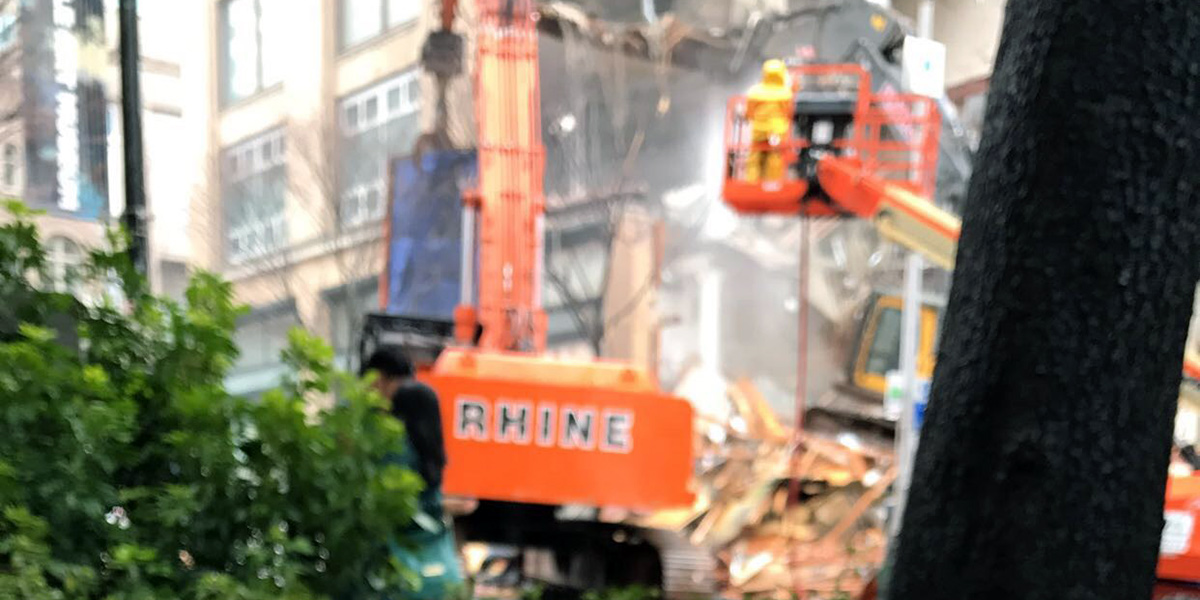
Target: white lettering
{"points": [[545, 434], [577, 428], [523, 422], [470, 419], [618, 426], [512, 422]]}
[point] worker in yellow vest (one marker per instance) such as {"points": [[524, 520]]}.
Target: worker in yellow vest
{"points": [[769, 111]]}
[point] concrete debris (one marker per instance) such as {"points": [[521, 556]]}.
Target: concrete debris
{"points": [[782, 511], [670, 39]]}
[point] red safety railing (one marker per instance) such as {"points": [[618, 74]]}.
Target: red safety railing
{"points": [[894, 135], [899, 140]]}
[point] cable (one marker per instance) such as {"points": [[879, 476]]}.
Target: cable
{"points": [[801, 393]]}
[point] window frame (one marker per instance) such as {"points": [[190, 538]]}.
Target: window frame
{"points": [[354, 205], [64, 256], [360, 293], [265, 317], [225, 72], [385, 28], [10, 166], [234, 170]]}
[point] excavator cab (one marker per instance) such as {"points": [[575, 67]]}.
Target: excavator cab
{"points": [[877, 350]]}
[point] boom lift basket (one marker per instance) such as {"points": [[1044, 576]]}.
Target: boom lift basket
{"points": [[893, 136]]}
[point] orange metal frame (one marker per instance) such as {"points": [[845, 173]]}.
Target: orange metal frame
{"points": [[520, 427], [510, 201], [869, 157]]}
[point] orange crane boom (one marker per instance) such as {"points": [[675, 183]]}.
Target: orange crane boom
{"points": [[510, 203], [521, 427]]}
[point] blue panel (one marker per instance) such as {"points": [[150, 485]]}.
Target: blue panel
{"points": [[426, 229]]}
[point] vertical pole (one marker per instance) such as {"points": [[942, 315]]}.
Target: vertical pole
{"points": [[910, 336], [802, 327], [910, 332], [466, 280], [710, 320], [925, 19], [798, 590], [134, 218]]}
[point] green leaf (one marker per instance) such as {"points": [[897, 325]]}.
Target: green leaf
{"points": [[35, 334]]}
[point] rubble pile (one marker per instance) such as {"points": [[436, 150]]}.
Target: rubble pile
{"points": [[780, 517]]}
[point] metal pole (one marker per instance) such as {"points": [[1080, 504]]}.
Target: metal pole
{"points": [[467, 266], [134, 217], [910, 337], [925, 19], [710, 319]]}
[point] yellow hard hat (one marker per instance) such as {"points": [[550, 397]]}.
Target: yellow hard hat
{"points": [[774, 71], [774, 67]]}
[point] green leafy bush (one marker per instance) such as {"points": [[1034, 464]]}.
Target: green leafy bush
{"points": [[633, 592], [128, 472]]}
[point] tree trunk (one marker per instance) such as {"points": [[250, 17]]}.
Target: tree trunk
{"points": [[1043, 460]]}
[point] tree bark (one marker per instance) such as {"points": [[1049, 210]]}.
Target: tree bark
{"points": [[1043, 460]]}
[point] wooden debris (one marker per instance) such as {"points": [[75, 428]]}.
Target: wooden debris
{"points": [[782, 510]]}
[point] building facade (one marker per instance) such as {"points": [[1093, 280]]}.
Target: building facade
{"points": [[295, 108], [298, 105], [60, 130]]}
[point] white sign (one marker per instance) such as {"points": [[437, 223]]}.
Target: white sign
{"points": [[1177, 532], [920, 401], [923, 67], [893, 395]]}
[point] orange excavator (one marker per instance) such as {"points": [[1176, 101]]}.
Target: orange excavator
{"points": [[857, 154], [541, 446]]}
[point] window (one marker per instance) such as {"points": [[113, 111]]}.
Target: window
{"points": [[884, 355], [567, 324], [63, 256], [362, 20], [262, 336], [254, 188], [377, 124], [571, 293], [9, 167], [574, 273], [253, 46], [347, 306]]}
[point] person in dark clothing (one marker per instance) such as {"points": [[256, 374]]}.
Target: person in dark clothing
{"points": [[416, 405], [430, 551]]}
